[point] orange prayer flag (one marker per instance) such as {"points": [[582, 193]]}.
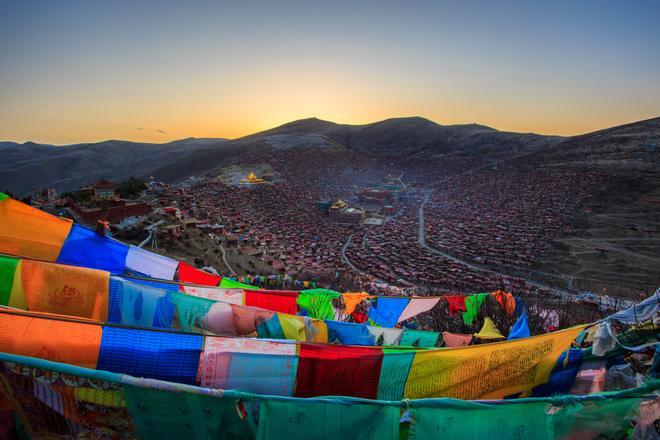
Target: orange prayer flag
{"points": [[351, 301], [54, 340], [29, 232], [67, 290]]}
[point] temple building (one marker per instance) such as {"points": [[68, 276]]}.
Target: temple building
{"points": [[252, 179]]}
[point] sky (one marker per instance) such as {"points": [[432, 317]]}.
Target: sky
{"points": [[155, 71]]}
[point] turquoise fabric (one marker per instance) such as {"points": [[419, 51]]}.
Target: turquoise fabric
{"points": [[301, 420], [270, 328], [418, 338], [394, 373], [160, 414], [475, 421]]}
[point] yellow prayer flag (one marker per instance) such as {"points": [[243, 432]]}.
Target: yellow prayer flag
{"points": [[489, 331], [489, 371], [293, 327]]}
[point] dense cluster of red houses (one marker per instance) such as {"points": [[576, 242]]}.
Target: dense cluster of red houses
{"points": [[490, 219]]}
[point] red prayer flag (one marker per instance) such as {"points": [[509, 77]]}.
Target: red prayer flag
{"points": [[456, 304], [338, 370], [189, 274], [283, 301]]}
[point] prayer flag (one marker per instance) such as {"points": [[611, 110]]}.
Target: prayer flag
{"points": [[29, 232], [417, 306], [67, 290], [386, 311], [189, 274], [489, 331], [84, 247], [326, 370], [275, 300], [489, 371], [150, 264]]}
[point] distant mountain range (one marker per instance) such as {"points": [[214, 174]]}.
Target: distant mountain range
{"points": [[29, 166]]}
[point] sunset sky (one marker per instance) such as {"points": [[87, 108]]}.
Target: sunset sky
{"points": [[76, 71]]}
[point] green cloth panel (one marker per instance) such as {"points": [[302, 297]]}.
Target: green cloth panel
{"points": [[3, 196], [607, 418], [7, 271], [270, 328], [477, 421], [419, 338], [191, 309], [318, 303], [226, 283], [301, 420], [472, 304], [394, 373], [160, 414]]}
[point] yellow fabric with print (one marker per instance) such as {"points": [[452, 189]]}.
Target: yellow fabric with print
{"points": [[109, 398], [293, 327], [489, 371]]}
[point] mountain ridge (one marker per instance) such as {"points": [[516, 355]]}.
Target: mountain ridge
{"points": [[29, 166]]}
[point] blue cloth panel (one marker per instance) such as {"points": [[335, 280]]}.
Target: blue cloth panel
{"points": [[386, 311], [562, 376], [170, 287], [139, 305], [84, 247], [262, 373], [156, 355], [349, 333]]}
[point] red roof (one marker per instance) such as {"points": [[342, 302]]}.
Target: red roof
{"points": [[104, 184]]}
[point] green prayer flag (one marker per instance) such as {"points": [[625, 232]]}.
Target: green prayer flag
{"points": [[333, 420], [318, 303], [446, 418], [7, 272], [472, 304], [226, 283], [608, 418], [3, 196], [160, 414], [419, 338], [191, 309]]}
